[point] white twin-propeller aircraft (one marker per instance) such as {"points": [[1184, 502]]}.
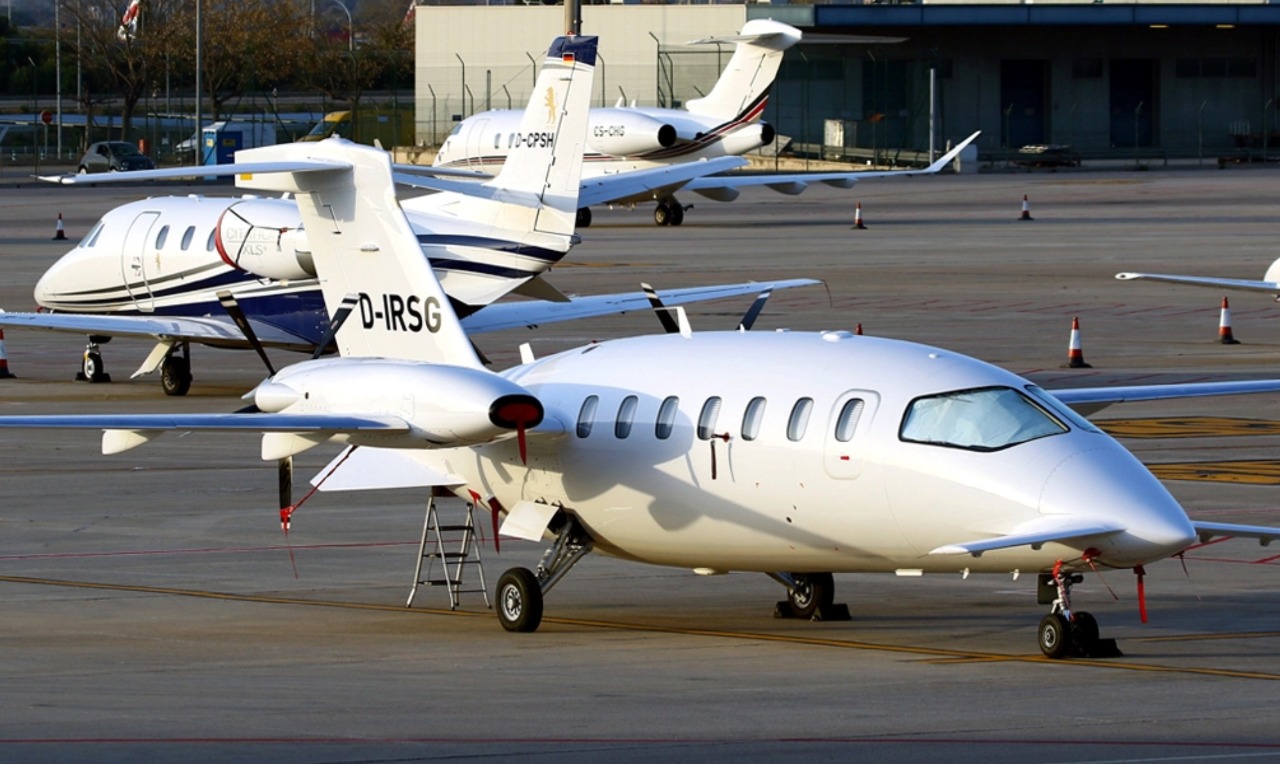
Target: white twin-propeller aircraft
{"points": [[238, 272], [724, 123], [697, 450]]}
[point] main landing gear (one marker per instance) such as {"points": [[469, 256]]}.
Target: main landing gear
{"points": [[520, 590], [1065, 632], [92, 369], [669, 212], [175, 370], [810, 596]]}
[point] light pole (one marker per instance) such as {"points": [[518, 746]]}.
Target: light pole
{"points": [[351, 29]]}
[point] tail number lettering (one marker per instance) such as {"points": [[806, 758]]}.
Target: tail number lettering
{"points": [[396, 313], [531, 140]]}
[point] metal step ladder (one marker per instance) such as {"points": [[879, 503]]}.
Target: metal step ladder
{"points": [[453, 563]]}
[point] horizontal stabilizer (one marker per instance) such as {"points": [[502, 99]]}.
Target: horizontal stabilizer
{"points": [[199, 171], [219, 331], [1035, 534]]}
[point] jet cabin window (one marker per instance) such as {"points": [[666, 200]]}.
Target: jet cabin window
{"points": [[186, 237], [799, 421], [587, 415], [847, 422], [160, 237], [626, 416], [707, 419], [751, 419], [987, 419], [666, 418], [208, 245]]}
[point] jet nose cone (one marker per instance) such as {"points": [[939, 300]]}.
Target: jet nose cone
{"points": [[1110, 485]]}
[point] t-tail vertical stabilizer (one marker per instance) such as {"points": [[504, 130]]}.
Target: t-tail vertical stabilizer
{"points": [[743, 88], [362, 244], [535, 196]]}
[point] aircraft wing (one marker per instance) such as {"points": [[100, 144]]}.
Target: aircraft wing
{"points": [[1263, 534], [529, 313], [1246, 285], [220, 331], [1088, 400], [1035, 534], [726, 187], [642, 184], [257, 422]]}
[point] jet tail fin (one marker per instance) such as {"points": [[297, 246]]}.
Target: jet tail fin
{"points": [[362, 244], [743, 88]]}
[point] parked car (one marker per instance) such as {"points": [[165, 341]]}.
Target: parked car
{"points": [[114, 156]]}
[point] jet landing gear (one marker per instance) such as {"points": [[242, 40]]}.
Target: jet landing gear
{"points": [[669, 212], [175, 371], [1064, 632], [92, 369], [810, 596], [520, 590]]}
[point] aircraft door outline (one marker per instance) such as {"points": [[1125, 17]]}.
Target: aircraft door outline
{"points": [[133, 270], [844, 438]]}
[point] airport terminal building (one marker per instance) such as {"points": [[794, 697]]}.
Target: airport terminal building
{"points": [[1089, 79]]}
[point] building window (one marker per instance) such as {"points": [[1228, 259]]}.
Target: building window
{"points": [[1086, 69]]}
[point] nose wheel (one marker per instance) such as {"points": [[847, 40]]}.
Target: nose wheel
{"points": [[1063, 632]]}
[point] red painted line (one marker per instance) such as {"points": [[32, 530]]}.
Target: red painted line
{"points": [[1211, 542]]}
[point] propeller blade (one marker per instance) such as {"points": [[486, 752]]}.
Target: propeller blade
{"points": [[669, 324], [749, 318], [232, 308], [335, 323]]}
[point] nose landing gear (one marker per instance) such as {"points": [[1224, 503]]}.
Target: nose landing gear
{"points": [[1064, 632]]}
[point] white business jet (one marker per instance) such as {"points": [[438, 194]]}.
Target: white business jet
{"points": [[237, 272], [703, 451], [726, 122]]}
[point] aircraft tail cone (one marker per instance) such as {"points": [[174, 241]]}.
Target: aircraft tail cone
{"points": [[857, 217], [1075, 354], [60, 233], [1224, 326], [1026, 209], [4, 360]]}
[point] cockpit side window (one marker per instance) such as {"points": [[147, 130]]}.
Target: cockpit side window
{"points": [[92, 238], [984, 419]]}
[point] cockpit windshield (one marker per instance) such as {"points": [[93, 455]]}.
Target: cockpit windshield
{"points": [[985, 419]]}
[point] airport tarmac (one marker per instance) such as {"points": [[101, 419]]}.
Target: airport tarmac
{"points": [[151, 610]]}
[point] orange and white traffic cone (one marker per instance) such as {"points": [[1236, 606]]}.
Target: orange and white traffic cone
{"points": [[1224, 326], [1075, 354], [4, 360], [59, 234], [1026, 209], [857, 217]]}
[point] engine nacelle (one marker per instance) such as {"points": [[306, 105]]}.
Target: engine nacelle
{"points": [[624, 132], [445, 406], [748, 138], [263, 237]]}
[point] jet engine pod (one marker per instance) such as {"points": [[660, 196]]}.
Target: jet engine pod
{"points": [[623, 132], [748, 137], [262, 237]]}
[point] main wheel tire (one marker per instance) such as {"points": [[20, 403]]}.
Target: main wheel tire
{"points": [[662, 214], [175, 375], [812, 593], [93, 368], [1055, 636], [584, 217], [1084, 631], [677, 215], [83, 170], [519, 599]]}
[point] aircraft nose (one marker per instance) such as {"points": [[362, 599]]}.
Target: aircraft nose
{"points": [[1109, 484]]}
